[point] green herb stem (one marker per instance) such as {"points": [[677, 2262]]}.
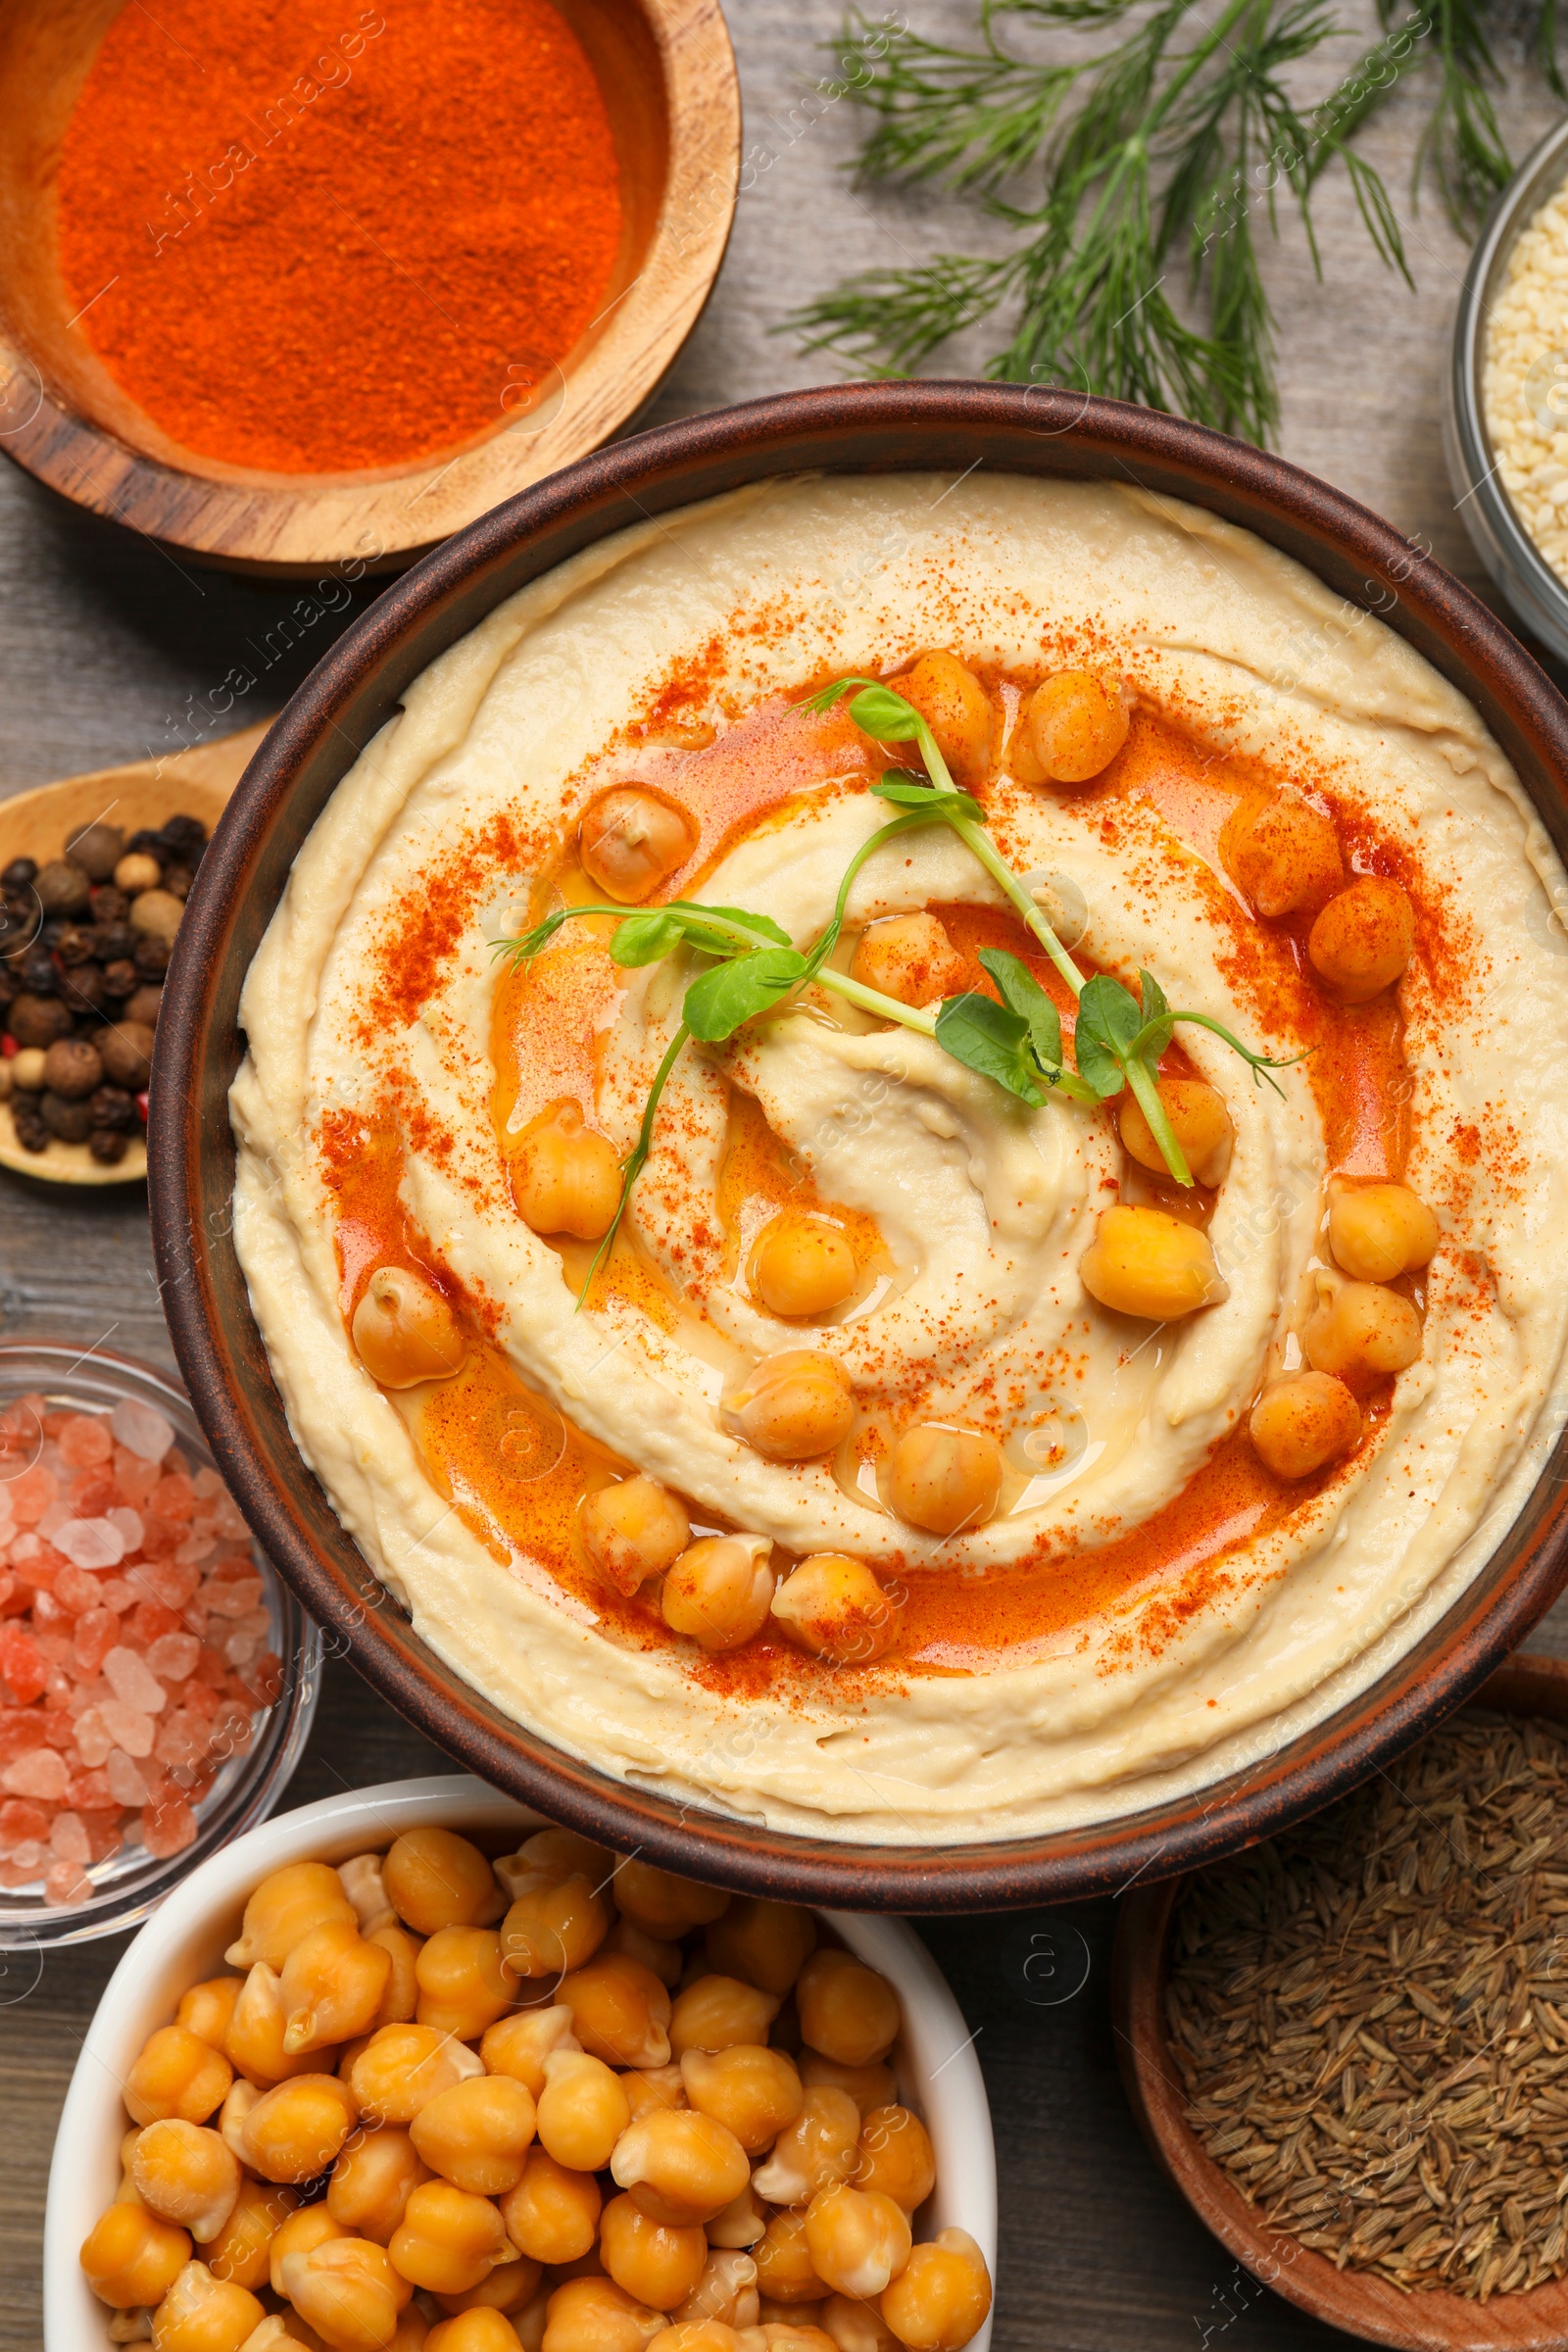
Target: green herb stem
{"points": [[637, 1158], [872, 1000]]}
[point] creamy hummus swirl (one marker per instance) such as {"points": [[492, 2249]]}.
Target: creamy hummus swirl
{"points": [[984, 1205]]}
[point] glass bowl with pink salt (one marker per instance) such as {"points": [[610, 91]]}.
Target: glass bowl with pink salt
{"points": [[157, 1677]]}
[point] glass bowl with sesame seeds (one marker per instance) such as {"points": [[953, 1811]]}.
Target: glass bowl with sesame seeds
{"points": [[156, 1680], [1505, 411]]}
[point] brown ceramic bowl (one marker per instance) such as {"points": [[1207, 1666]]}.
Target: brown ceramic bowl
{"points": [[855, 429], [1357, 2301]]}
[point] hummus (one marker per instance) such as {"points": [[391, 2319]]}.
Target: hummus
{"points": [[1147, 1607]]}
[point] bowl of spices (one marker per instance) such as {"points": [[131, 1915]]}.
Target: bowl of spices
{"points": [[1506, 412], [94, 874], [223, 323], [1348, 2046], [157, 1679]]}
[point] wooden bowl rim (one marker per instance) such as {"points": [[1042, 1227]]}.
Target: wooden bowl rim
{"points": [[1357, 2301], [857, 429], [286, 526]]}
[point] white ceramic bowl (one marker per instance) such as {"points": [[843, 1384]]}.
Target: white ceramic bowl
{"points": [[184, 1940]]}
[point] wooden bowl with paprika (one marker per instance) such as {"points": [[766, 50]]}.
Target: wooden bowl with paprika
{"points": [[297, 290]]}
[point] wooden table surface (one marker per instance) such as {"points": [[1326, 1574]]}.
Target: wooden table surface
{"points": [[110, 650]]}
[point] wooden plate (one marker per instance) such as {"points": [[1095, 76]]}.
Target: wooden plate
{"points": [[667, 73], [37, 824], [1357, 2301]]}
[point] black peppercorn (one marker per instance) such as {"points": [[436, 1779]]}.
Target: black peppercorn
{"points": [[108, 906], [19, 876], [19, 923], [107, 1145], [183, 839], [36, 972], [113, 1106], [32, 1133], [75, 944], [82, 987], [152, 955], [120, 978], [146, 844], [71, 1121], [177, 880], [113, 943]]}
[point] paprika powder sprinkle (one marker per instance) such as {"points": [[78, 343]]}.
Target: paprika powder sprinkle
{"points": [[310, 235]]}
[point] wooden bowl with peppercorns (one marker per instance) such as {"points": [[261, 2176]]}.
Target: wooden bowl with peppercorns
{"points": [[93, 877]]}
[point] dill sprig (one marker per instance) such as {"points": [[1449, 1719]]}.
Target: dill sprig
{"points": [[1160, 151]]}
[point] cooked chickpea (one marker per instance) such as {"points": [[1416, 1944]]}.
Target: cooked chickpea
{"points": [[910, 957], [653, 2087], [719, 1591], [716, 2012], [283, 1909], [801, 1265], [896, 2157], [463, 1981], [131, 2258], [566, 1176], [785, 2271], [552, 1926], [1360, 1332], [403, 2067], [242, 2097], [552, 2214], [634, 1531], [940, 2300], [254, 2042], [679, 2165], [372, 2180], [239, 2251], [297, 2129], [868, 2085], [847, 2010], [332, 1987], [752, 2090], [475, 2330], [173, 2073], [664, 1959], [944, 1479], [619, 2011], [519, 2045], [630, 841], [509, 2290], [184, 2172], [740, 2224], [595, 2315], [477, 2134], [435, 1879], [1143, 1263], [447, 2239], [659, 2263], [361, 1882], [554, 1855], [797, 2335], [405, 1332], [1364, 940], [816, 2151], [663, 1904], [793, 1406], [208, 2009], [835, 1607], [275, 2334], [204, 2314], [763, 1943], [401, 1995], [852, 2327], [956, 708], [1200, 1122], [726, 2290], [1282, 854], [309, 2227], [583, 2112], [697, 2336], [859, 2240], [1303, 1421], [347, 2290], [1076, 725], [1380, 1231]]}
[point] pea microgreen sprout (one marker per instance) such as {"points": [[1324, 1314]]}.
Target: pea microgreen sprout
{"points": [[1119, 1040]]}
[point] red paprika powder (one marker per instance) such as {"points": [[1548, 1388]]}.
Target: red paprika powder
{"points": [[308, 235]]}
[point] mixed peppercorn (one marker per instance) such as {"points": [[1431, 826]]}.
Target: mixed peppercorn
{"points": [[84, 941]]}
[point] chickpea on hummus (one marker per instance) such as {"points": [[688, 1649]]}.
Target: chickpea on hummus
{"points": [[902, 1148]]}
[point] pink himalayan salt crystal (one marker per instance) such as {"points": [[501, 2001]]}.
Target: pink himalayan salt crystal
{"points": [[129, 1679], [97, 1632], [69, 1838], [89, 1542], [114, 1592], [127, 1727], [172, 1656], [40, 1773], [232, 1596], [84, 1439], [196, 1548], [93, 1737], [142, 1429], [75, 1589], [168, 1828], [129, 1525], [56, 1515], [20, 1824], [31, 1493], [66, 1883], [127, 1784]]}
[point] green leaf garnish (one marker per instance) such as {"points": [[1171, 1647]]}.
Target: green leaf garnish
{"points": [[1119, 1040], [989, 1037], [1022, 992], [720, 1001]]}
